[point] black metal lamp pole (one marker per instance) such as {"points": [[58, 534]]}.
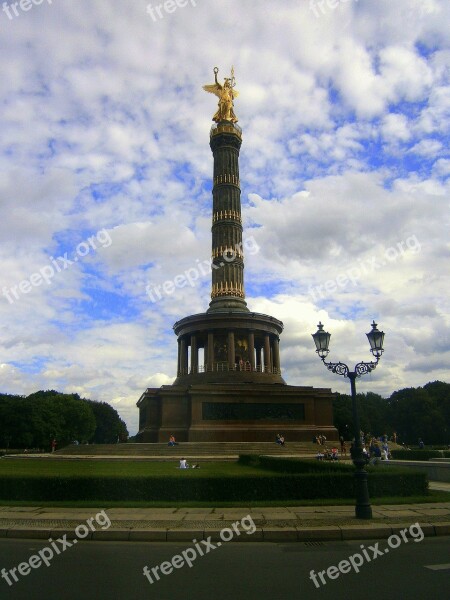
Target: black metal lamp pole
{"points": [[363, 510]]}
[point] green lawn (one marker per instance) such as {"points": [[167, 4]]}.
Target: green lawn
{"points": [[105, 468]]}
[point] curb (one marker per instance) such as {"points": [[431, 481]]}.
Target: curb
{"points": [[270, 534]]}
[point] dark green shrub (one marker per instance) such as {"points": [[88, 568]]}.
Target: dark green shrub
{"points": [[298, 465], [276, 486], [248, 459], [396, 482], [415, 454]]}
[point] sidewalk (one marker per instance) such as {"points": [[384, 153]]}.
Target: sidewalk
{"points": [[273, 524]]}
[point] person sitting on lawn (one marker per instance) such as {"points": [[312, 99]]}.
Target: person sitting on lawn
{"points": [[183, 464]]}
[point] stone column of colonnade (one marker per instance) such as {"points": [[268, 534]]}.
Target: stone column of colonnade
{"points": [[267, 353], [194, 354], [210, 352], [182, 357], [276, 355], [251, 349]]}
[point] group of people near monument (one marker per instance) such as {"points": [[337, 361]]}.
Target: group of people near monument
{"points": [[374, 449], [327, 454], [319, 439], [377, 451]]}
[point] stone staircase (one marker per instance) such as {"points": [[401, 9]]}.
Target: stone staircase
{"points": [[189, 450]]}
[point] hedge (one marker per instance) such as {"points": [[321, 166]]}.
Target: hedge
{"points": [[275, 486], [415, 454], [272, 487], [382, 481], [295, 465]]}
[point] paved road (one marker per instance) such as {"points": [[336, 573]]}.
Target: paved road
{"points": [[253, 571]]}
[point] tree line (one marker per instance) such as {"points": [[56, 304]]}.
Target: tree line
{"points": [[412, 413], [35, 420]]}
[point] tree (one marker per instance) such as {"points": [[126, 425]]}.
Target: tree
{"points": [[65, 417], [440, 392], [376, 412], [415, 414], [109, 426], [373, 413], [342, 413], [34, 421], [16, 429]]}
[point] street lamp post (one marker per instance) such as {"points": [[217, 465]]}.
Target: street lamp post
{"points": [[363, 510]]}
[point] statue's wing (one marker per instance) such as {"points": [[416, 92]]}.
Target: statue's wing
{"points": [[235, 93], [213, 89]]}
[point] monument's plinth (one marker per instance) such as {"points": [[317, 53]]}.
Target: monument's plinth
{"points": [[250, 412]]}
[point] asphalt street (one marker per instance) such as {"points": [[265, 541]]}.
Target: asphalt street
{"points": [[254, 571]]}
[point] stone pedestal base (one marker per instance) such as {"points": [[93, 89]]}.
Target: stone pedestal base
{"points": [[237, 412]]}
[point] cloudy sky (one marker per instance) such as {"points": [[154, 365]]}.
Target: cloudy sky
{"points": [[105, 185]]}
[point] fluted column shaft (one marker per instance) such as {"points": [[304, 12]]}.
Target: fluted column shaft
{"points": [[227, 289]]}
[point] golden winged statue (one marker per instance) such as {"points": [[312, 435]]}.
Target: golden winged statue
{"points": [[226, 94]]}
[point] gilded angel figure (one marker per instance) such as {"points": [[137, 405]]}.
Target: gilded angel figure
{"points": [[226, 94]]}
